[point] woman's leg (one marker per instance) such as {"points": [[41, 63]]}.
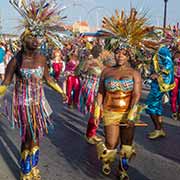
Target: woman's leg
{"points": [[112, 136], [69, 89], [25, 160], [35, 151], [127, 150], [107, 152], [76, 85], [158, 123]]}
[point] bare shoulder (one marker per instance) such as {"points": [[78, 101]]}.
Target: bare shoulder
{"points": [[41, 58], [106, 70], [136, 74]]}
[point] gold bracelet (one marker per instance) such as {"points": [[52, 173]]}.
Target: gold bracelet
{"points": [[97, 110], [55, 86]]}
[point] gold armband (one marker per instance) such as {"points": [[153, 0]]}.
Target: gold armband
{"points": [[133, 113], [3, 89], [55, 86], [97, 111]]}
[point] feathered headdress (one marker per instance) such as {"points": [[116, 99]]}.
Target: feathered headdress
{"points": [[129, 31], [132, 32], [172, 35], [40, 18]]}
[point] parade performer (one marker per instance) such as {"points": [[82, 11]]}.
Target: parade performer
{"points": [[162, 82], [73, 82], [57, 64], [120, 90], [93, 68], [30, 68]]}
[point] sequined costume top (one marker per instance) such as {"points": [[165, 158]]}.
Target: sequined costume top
{"points": [[71, 66], [118, 94], [29, 111]]}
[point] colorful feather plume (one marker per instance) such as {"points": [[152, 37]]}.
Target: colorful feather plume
{"points": [[172, 35], [41, 17], [131, 30]]}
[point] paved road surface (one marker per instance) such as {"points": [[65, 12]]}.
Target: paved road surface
{"points": [[65, 155]]}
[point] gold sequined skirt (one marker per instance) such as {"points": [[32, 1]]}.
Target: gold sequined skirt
{"points": [[114, 118]]}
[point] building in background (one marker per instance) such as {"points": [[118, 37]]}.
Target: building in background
{"points": [[81, 26]]}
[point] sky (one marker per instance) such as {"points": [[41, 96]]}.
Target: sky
{"points": [[93, 11]]}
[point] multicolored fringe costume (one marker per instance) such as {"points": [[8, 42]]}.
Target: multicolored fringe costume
{"points": [[30, 112], [29, 105], [87, 93]]}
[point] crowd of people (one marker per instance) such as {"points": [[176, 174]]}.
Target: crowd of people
{"points": [[100, 76]]}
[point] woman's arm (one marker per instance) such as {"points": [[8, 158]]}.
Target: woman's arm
{"points": [[99, 98], [135, 96], [10, 69], [50, 82], [137, 88]]}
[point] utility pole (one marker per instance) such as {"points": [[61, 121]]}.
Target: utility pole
{"points": [[165, 13]]}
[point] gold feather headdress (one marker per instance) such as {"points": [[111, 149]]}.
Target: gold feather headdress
{"points": [[40, 18], [129, 31]]}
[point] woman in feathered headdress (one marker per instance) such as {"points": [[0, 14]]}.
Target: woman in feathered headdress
{"points": [[30, 110], [120, 88]]}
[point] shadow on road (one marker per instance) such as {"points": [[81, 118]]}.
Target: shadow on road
{"points": [[80, 155], [167, 147], [5, 142]]}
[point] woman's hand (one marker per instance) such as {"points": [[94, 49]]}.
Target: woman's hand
{"points": [[154, 76], [64, 97], [96, 121], [130, 124]]}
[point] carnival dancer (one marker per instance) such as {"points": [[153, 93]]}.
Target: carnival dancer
{"points": [[162, 82], [120, 90], [30, 67], [57, 64], [94, 67], [73, 82]]}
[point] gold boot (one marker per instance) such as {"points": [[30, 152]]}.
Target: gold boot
{"points": [[126, 153], [36, 173], [26, 176], [34, 161], [107, 157], [25, 164], [175, 116], [178, 116], [156, 134], [93, 140]]}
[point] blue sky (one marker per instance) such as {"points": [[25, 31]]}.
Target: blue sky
{"points": [[94, 10]]}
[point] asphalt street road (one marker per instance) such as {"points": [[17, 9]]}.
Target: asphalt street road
{"points": [[65, 155]]}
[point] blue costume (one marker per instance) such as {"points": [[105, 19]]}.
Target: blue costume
{"points": [[163, 66]]}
